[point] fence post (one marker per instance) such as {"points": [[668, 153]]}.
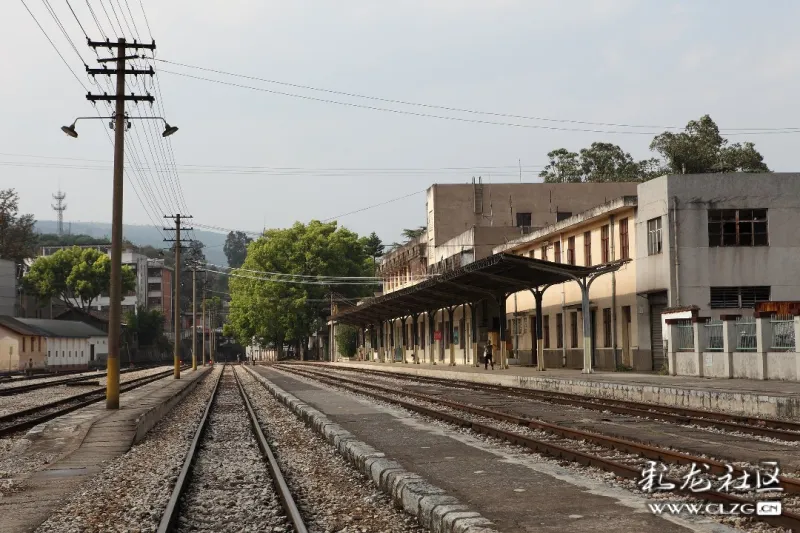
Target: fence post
{"points": [[797, 343], [729, 341], [672, 325], [763, 341], [700, 342]]}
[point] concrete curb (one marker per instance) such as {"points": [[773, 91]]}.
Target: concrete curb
{"points": [[726, 401], [148, 419], [430, 505]]}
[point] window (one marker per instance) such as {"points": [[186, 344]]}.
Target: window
{"points": [[607, 327], [737, 227], [546, 330], [587, 248], [604, 245], [559, 331], [738, 297], [523, 219], [154, 287], [654, 236], [557, 252], [40, 344], [462, 330], [624, 243], [544, 253], [571, 251], [573, 326], [446, 333], [24, 344], [562, 215]]}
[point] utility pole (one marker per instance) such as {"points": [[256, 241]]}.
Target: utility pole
{"points": [[194, 320], [177, 240], [115, 288]]}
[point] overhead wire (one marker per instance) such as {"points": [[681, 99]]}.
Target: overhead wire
{"points": [[301, 276], [294, 282], [739, 131]]}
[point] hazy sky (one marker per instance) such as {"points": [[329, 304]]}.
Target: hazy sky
{"points": [[642, 62]]}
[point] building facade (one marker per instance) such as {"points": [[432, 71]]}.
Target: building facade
{"points": [[70, 345], [717, 242], [21, 346]]}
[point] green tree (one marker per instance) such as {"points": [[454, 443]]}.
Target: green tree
{"points": [[17, 238], [700, 149], [411, 234], [607, 162], [346, 340], [53, 239], [235, 248], [270, 308], [147, 325], [563, 167], [76, 276]]}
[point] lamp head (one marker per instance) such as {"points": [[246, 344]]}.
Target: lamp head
{"points": [[70, 130], [169, 130]]}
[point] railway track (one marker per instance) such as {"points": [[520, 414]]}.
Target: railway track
{"points": [[229, 459], [9, 391], [28, 418], [622, 457], [762, 427]]}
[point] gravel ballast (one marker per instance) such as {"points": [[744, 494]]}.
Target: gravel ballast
{"points": [[331, 495], [132, 492]]}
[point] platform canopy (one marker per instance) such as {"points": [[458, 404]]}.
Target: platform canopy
{"points": [[493, 278]]}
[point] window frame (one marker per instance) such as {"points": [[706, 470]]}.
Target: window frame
{"points": [[546, 331], [523, 217], [738, 297], [624, 239], [607, 327], [605, 243], [544, 252], [655, 236], [755, 221], [571, 250], [574, 329], [587, 248], [557, 252]]}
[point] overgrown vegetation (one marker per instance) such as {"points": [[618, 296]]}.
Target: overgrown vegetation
{"points": [[346, 340]]}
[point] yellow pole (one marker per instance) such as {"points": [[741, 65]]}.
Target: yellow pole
{"points": [[194, 318]]}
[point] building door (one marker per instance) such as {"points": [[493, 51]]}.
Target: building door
{"points": [[91, 352], [626, 336], [658, 303]]}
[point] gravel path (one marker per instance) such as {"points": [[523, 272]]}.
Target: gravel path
{"points": [[19, 382], [132, 492], [331, 495], [35, 398]]}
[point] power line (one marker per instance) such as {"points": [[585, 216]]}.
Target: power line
{"points": [[53, 45], [301, 276], [295, 282], [374, 206], [446, 108]]}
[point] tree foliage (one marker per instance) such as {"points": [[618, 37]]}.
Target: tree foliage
{"points": [[147, 325], [76, 276], [699, 149], [346, 340], [411, 234], [17, 238], [373, 246], [276, 309], [54, 239], [236, 248]]}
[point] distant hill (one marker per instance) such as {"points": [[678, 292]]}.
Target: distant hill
{"points": [[141, 235]]}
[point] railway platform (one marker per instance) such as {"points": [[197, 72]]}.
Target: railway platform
{"points": [[762, 398], [514, 493], [71, 449]]}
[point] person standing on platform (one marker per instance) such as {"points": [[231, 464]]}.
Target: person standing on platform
{"points": [[487, 356]]}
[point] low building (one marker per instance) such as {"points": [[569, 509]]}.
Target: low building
{"points": [[70, 344], [719, 243], [21, 346]]}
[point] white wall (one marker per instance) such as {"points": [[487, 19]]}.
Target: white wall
{"points": [[71, 352]]}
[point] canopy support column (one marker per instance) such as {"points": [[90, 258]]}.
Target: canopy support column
{"points": [[538, 293]]}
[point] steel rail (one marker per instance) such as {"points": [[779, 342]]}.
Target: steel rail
{"points": [[786, 519], [289, 505], [9, 391], [170, 515], [7, 427], [765, 427]]}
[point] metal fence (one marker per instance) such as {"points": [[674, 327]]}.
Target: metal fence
{"points": [[746, 334], [782, 333], [713, 335], [685, 332]]}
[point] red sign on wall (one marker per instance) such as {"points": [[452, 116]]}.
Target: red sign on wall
{"points": [[437, 335]]}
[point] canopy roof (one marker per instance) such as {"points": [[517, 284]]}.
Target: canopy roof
{"points": [[493, 277]]}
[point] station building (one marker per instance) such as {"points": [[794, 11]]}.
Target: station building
{"points": [[719, 243]]}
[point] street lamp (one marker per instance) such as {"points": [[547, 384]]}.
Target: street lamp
{"points": [[70, 130], [120, 121]]}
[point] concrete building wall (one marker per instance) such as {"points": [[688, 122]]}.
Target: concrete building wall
{"points": [[16, 351], [451, 207], [8, 288]]}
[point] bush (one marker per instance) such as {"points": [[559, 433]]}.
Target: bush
{"points": [[346, 340]]}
